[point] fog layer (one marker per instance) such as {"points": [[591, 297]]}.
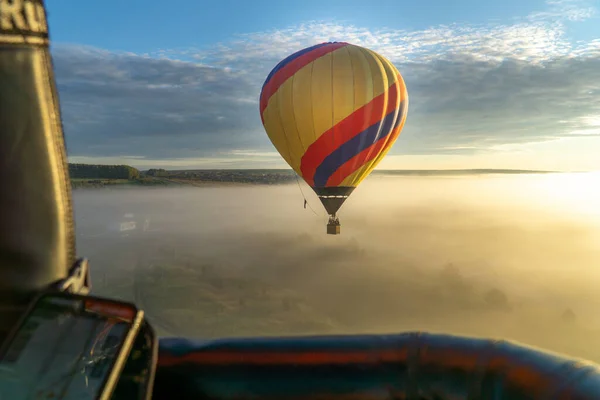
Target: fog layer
{"points": [[513, 257]]}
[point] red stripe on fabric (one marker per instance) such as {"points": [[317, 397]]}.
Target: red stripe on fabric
{"points": [[357, 122], [290, 69]]}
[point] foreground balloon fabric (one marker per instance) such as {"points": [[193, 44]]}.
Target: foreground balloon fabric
{"points": [[333, 111], [412, 365]]}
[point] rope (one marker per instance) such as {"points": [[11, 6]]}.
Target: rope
{"points": [[305, 200]]}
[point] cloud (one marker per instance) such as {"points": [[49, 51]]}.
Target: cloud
{"points": [[121, 104], [571, 10], [472, 88]]}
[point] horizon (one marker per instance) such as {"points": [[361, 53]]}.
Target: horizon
{"points": [[377, 170], [289, 169]]}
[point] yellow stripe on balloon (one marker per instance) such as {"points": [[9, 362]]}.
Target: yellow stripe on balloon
{"points": [[274, 129], [343, 85], [322, 87], [364, 85], [303, 93], [288, 118]]}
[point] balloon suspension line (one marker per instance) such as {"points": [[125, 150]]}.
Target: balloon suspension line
{"points": [[306, 203]]}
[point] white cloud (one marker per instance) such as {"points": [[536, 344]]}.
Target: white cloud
{"points": [[533, 38], [571, 10]]}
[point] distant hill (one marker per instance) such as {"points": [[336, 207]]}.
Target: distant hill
{"points": [[94, 171], [99, 176]]}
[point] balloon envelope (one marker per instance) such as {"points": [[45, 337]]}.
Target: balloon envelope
{"points": [[333, 111]]}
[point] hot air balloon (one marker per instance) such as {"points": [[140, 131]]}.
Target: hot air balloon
{"points": [[333, 111]]}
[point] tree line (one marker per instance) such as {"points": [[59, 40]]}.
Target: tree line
{"points": [[91, 171]]}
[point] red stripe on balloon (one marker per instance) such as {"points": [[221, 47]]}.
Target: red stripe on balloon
{"points": [[357, 122], [290, 69]]}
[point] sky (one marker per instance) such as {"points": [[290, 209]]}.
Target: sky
{"points": [[494, 84]]}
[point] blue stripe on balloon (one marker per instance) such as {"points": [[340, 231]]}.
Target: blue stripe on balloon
{"points": [[354, 146], [291, 58]]}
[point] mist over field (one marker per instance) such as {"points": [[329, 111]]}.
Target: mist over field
{"points": [[515, 257]]}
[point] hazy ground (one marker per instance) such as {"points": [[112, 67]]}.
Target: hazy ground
{"points": [[251, 261]]}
